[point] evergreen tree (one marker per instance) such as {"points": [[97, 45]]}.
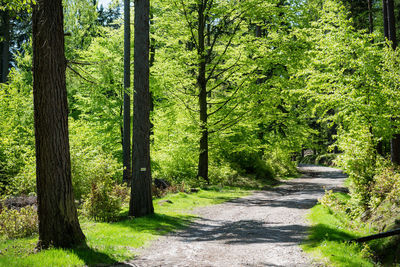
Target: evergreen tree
{"points": [[58, 220], [141, 202]]}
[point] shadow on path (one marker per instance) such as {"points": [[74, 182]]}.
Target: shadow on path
{"points": [[244, 232]]}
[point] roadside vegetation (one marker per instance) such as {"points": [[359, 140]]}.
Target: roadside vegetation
{"points": [[118, 241], [338, 219]]}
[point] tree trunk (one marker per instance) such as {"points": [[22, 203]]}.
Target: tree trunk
{"points": [[390, 34], [385, 19], [126, 144], [152, 43], [5, 47], [141, 200], [370, 18], [58, 220], [391, 23], [202, 84]]}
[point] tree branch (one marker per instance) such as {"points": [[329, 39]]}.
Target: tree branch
{"points": [[225, 50], [77, 73], [189, 23]]}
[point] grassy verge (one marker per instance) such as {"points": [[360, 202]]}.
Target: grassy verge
{"points": [[108, 243], [327, 237]]}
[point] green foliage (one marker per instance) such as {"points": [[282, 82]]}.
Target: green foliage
{"points": [[18, 223], [174, 154], [17, 162], [89, 163], [103, 203], [350, 82], [17, 5], [340, 211], [110, 243], [358, 160], [386, 186], [327, 239]]}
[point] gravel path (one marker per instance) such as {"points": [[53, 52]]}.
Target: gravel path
{"points": [[263, 229]]}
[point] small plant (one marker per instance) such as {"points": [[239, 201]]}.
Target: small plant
{"points": [[171, 189], [18, 223], [122, 191], [104, 202], [386, 185]]}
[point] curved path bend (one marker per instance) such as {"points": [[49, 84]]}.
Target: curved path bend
{"points": [[262, 229]]}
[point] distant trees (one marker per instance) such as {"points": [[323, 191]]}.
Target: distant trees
{"points": [[141, 202], [15, 31], [58, 220]]}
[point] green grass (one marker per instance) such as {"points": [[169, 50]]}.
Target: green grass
{"points": [[108, 243], [327, 239]]}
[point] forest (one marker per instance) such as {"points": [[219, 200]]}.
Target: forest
{"points": [[108, 111]]}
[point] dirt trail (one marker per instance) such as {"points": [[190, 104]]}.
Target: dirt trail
{"points": [[263, 229]]}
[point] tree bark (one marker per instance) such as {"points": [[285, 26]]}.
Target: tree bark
{"points": [[391, 23], [58, 220], [370, 18], [141, 203], [202, 84], [126, 144], [385, 18], [390, 34], [5, 47]]}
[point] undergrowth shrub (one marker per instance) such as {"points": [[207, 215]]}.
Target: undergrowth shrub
{"points": [[359, 161], [23, 183], [91, 167], [90, 163], [18, 223], [171, 189], [175, 155], [250, 162], [122, 191], [280, 161], [221, 174], [338, 203], [386, 186], [176, 163], [104, 202]]}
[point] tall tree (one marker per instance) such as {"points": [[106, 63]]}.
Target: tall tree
{"points": [[202, 84], [58, 220], [390, 33], [4, 45], [211, 69], [127, 101], [216, 94], [370, 17], [141, 200]]}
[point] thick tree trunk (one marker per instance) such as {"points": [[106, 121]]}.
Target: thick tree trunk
{"points": [[202, 84], [5, 47], [126, 144], [141, 200], [58, 220]]}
